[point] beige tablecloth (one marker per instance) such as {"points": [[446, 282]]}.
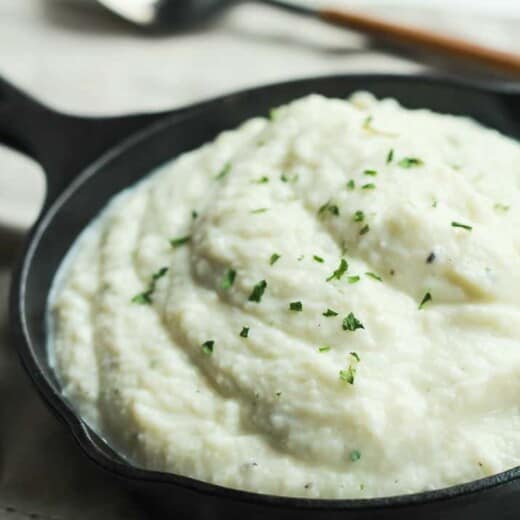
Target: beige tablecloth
{"points": [[78, 59]]}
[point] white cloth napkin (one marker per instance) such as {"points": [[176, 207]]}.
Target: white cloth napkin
{"points": [[78, 59]]}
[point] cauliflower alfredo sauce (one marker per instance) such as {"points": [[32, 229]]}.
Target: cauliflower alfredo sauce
{"points": [[325, 304]]}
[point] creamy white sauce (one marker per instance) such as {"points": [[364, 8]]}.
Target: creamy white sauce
{"points": [[435, 398]]}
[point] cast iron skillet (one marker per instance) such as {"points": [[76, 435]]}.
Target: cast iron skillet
{"points": [[87, 160]]}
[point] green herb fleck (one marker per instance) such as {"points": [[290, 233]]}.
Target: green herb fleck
{"points": [[194, 214], [359, 216], [349, 374], [367, 122], [224, 171], [273, 113], [325, 348], [274, 258], [434, 203], [329, 208], [244, 333], [177, 242], [463, 226], [258, 291], [142, 299], [501, 207], [262, 180], [159, 274], [410, 162], [374, 276], [351, 185], [390, 156], [296, 306], [145, 298], [353, 279], [351, 323], [207, 347], [340, 271], [364, 230], [228, 279], [285, 178], [318, 259], [355, 455], [372, 173], [369, 186], [426, 298], [259, 210], [329, 313]]}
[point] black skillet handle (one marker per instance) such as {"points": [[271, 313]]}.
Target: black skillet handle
{"points": [[63, 144]]}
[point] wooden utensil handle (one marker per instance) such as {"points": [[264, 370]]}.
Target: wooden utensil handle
{"points": [[500, 60]]}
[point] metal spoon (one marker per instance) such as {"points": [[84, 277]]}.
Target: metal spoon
{"points": [[175, 13], [170, 13]]}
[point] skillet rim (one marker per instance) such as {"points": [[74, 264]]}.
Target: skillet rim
{"points": [[21, 338]]}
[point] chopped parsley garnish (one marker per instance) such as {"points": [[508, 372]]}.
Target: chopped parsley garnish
{"points": [[142, 298], [426, 298], [340, 271], [207, 347], [328, 207], [364, 230], [369, 186], [224, 171], [390, 156], [430, 258], [318, 259], [258, 291], [329, 313], [194, 214], [296, 306], [359, 216], [177, 242], [410, 162], [353, 279], [145, 298], [285, 178], [374, 276], [244, 333], [373, 173], [325, 348], [274, 258], [259, 210], [351, 323], [367, 122], [228, 279], [501, 207], [262, 180], [351, 184], [434, 203], [273, 113], [355, 455], [463, 226], [349, 374]]}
